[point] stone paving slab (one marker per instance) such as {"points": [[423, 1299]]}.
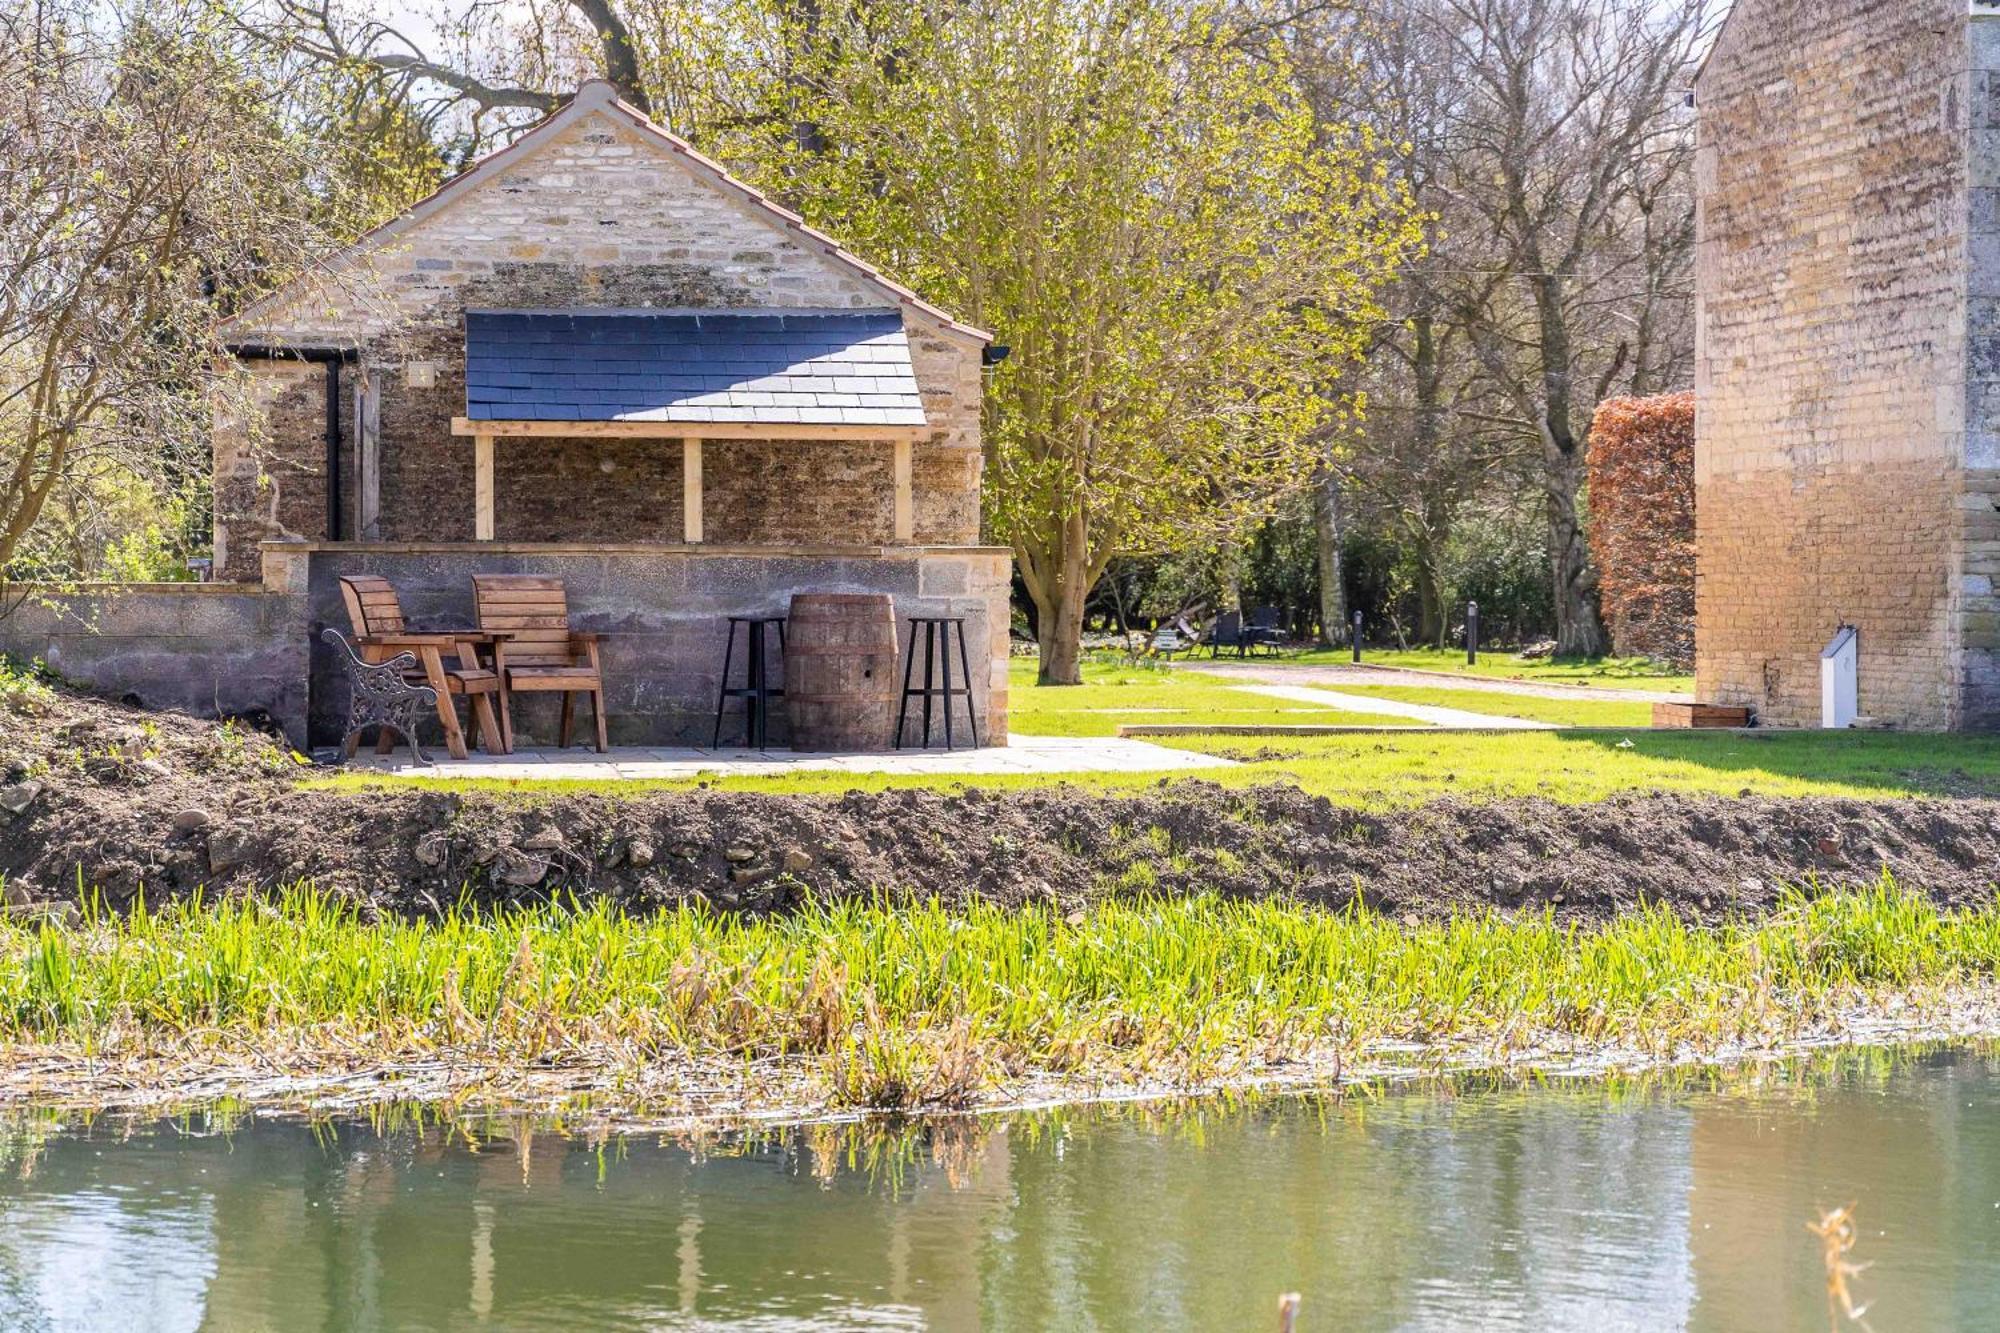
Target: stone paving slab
{"points": [[1368, 703], [1050, 755]]}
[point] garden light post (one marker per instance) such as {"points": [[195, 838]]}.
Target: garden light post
{"points": [[1357, 636], [1472, 634]]}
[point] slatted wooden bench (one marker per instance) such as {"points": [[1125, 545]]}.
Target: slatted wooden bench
{"points": [[380, 633], [540, 651]]}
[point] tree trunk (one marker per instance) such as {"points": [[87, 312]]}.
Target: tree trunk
{"points": [[1326, 528], [1430, 593], [1579, 628], [1059, 606]]}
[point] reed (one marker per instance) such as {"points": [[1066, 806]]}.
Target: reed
{"points": [[922, 1005]]}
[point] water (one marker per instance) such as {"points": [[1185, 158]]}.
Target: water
{"points": [[1581, 1208]]}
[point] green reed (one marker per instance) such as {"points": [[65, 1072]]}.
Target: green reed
{"points": [[904, 1004]]}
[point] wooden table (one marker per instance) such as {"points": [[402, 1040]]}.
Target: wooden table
{"points": [[476, 681]]}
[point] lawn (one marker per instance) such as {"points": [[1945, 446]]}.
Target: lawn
{"points": [[1636, 673], [1113, 695], [1377, 771]]}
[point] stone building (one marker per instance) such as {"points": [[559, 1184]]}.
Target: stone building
{"points": [[597, 210], [1848, 357], [594, 354]]}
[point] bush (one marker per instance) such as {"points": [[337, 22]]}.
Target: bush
{"points": [[1641, 463]]}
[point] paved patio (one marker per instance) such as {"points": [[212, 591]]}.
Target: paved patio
{"points": [[1050, 755]]}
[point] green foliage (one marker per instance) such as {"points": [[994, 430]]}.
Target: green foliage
{"points": [[1113, 695], [1147, 213], [899, 1005]]}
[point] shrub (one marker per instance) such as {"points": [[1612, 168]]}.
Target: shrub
{"points": [[1642, 522]]}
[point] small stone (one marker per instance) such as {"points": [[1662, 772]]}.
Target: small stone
{"points": [[796, 861], [152, 768], [1556, 898], [229, 848], [687, 851], [431, 850], [547, 838], [192, 820], [17, 798], [19, 893], [1827, 846], [738, 855], [639, 853], [512, 867], [749, 874]]}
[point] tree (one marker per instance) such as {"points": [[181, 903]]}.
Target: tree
{"points": [[1179, 258], [145, 181], [1568, 130], [1642, 522]]}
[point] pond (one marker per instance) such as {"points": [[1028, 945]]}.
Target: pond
{"points": [[1582, 1206]]}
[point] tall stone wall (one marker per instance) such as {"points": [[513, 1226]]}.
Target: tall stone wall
{"points": [[602, 216], [1831, 357]]}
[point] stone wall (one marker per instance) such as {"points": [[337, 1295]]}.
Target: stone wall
{"points": [[1831, 357], [600, 215], [209, 649], [219, 650], [663, 611]]}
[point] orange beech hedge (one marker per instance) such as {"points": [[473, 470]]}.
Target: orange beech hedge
{"points": [[1642, 523]]}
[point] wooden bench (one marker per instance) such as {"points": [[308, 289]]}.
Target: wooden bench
{"points": [[539, 651], [376, 614]]}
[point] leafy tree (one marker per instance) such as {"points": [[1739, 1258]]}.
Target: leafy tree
{"points": [[1179, 258]]}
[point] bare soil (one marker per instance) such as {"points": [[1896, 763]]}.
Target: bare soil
{"points": [[111, 798]]}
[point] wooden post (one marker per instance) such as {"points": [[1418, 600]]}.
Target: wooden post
{"points": [[482, 487], [691, 491], [906, 522]]}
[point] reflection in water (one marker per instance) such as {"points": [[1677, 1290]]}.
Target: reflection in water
{"points": [[1553, 1208]]}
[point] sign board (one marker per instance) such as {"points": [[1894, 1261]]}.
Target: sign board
{"points": [[1839, 684]]}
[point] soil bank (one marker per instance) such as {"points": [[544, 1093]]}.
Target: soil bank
{"points": [[95, 796]]}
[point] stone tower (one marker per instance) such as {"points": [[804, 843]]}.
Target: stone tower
{"points": [[1848, 357]]}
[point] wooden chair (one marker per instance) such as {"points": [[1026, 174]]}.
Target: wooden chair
{"points": [[376, 615], [540, 651]]}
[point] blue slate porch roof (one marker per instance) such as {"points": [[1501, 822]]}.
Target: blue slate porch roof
{"points": [[761, 367]]}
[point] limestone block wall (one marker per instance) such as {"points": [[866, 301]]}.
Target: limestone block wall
{"points": [[601, 215], [1831, 362]]}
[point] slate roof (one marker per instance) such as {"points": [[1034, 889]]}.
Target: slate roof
{"points": [[775, 367]]}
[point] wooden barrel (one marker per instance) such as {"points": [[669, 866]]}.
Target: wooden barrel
{"points": [[840, 671]]}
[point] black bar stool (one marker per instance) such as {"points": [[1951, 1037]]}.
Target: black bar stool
{"points": [[933, 629], [756, 691]]}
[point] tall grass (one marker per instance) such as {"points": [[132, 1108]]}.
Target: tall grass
{"points": [[906, 1005]]}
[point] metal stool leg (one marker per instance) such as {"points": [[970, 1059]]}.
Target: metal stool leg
{"points": [[903, 704], [930, 644], [965, 664], [722, 693], [753, 702], [945, 663]]}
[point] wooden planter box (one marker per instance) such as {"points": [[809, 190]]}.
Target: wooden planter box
{"points": [[1700, 715]]}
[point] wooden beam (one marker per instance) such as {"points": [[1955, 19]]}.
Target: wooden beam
{"points": [[906, 511], [668, 430], [691, 491], [482, 487]]}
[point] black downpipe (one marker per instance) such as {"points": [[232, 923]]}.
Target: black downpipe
{"points": [[333, 358]]}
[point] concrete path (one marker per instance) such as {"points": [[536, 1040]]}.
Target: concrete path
{"points": [[1277, 673], [1368, 703], [1049, 755]]}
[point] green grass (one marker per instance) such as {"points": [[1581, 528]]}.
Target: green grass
{"points": [[1638, 673], [1566, 712], [891, 1005], [1375, 772], [1113, 695]]}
